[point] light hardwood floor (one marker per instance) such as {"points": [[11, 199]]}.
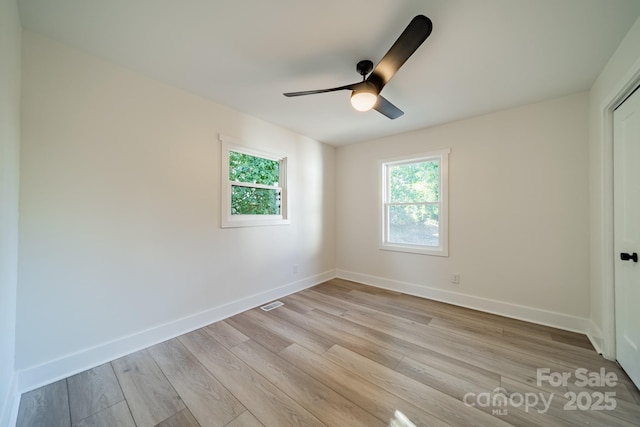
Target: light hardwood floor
{"points": [[345, 354]]}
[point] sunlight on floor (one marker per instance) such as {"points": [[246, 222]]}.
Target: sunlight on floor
{"points": [[400, 420]]}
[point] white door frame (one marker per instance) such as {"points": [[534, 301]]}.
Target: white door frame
{"points": [[625, 87]]}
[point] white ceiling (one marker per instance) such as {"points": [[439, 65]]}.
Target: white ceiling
{"points": [[483, 55]]}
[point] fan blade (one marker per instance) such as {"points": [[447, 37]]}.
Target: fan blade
{"points": [[409, 41], [387, 108], [311, 92]]}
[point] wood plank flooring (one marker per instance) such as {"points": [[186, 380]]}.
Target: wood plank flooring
{"points": [[345, 354]]}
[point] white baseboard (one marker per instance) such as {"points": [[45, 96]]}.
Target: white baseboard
{"points": [[46, 373], [54, 370], [594, 333], [502, 308], [9, 410]]}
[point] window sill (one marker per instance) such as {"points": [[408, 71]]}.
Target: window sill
{"points": [[422, 250], [249, 221]]}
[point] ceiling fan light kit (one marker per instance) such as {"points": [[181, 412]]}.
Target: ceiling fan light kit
{"points": [[364, 98], [365, 95]]}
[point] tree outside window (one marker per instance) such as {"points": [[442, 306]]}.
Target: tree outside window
{"points": [[254, 190], [254, 185], [414, 204]]}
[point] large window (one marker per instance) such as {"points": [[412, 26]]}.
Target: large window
{"points": [[414, 204], [254, 186]]}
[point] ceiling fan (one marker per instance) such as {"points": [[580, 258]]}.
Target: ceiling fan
{"points": [[365, 95]]}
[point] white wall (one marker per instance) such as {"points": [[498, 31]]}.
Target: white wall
{"points": [[120, 210], [613, 83], [518, 213], [9, 175], [120, 213]]}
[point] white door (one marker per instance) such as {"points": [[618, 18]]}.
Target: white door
{"points": [[626, 148]]}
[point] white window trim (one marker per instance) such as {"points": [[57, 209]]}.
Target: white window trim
{"points": [[231, 221], [443, 222]]}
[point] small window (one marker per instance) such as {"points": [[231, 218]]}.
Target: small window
{"points": [[414, 204], [254, 187]]}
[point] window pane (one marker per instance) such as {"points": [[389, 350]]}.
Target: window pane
{"points": [[414, 182], [414, 224], [253, 170], [254, 201]]}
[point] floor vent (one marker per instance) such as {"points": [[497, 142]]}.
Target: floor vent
{"points": [[272, 305]]}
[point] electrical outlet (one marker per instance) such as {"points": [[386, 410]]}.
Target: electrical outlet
{"points": [[455, 278], [295, 268]]}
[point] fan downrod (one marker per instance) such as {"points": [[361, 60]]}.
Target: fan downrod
{"points": [[364, 67]]}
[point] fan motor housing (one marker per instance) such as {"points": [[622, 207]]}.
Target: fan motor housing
{"points": [[364, 67]]}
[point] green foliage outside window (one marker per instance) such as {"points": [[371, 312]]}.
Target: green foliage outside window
{"points": [[253, 170], [249, 200], [414, 182], [411, 219]]}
